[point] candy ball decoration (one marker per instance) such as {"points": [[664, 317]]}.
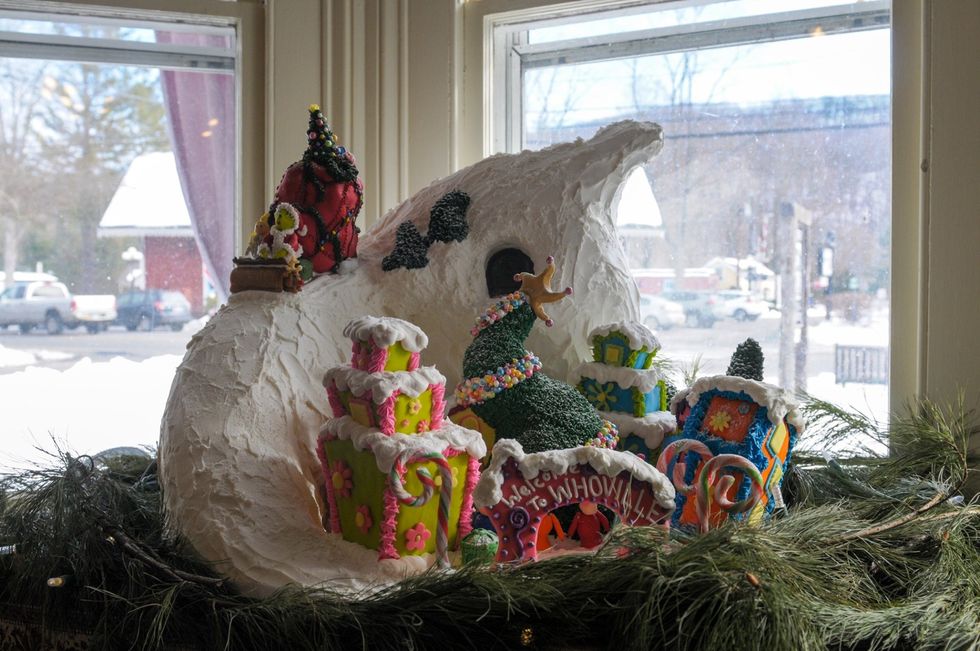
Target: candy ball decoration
{"points": [[479, 547]]}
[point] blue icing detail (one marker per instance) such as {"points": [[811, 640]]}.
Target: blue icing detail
{"points": [[641, 359], [652, 400], [750, 447], [607, 396], [636, 445]]}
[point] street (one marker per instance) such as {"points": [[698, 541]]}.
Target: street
{"points": [[60, 352], [716, 345]]}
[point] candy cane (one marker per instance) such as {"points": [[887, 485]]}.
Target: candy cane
{"points": [[679, 449], [712, 488], [428, 486]]}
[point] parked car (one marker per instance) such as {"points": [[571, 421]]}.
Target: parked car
{"points": [[147, 309], [49, 304], [701, 308], [657, 313], [741, 305]]}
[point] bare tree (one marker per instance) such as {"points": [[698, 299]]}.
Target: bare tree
{"points": [[20, 205]]}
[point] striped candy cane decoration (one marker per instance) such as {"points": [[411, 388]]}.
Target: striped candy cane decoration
{"points": [[679, 450], [713, 488], [428, 486]]}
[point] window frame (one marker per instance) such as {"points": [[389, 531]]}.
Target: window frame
{"points": [[509, 53], [246, 17]]}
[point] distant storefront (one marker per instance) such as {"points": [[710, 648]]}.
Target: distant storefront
{"points": [[149, 204]]}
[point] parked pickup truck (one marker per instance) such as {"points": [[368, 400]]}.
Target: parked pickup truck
{"points": [[49, 304]]}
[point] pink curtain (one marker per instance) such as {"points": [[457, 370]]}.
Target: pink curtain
{"points": [[201, 112]]}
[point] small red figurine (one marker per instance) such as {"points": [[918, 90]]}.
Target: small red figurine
{"points": [[590, 525]]}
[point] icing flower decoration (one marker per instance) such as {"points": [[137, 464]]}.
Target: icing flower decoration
{"points": [[362, 518], [423, 426], [601, 395], [719, 421], [414, 406], [341, 479], [416, 536]]}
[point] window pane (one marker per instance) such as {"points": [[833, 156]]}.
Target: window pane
{"points": [[110, 30], [94, 185], [767, 214], [662, 16]]}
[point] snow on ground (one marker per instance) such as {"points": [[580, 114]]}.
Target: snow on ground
{"points": [[85, 409], [10, 357]]}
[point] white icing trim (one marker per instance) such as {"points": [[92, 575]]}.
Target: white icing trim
{"points": [[607, 462], [626, 378], [652, 428], [384, 383], [387, 449], [778, 401], [386, 331], [638, 334]]}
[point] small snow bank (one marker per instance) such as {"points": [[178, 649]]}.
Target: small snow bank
{"points": [[191, 327], [85, 409], [9, 357]]}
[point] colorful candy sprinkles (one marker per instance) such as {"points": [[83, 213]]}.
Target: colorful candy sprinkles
{"points": [[477, 390], [608, 437], [498, 310]]}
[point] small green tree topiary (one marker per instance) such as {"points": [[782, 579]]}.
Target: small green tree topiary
{"points": [[747, 361]]}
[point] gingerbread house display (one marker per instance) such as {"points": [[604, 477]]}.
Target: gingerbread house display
{"points": [[623, 385], [399, 478], [735, 415]]}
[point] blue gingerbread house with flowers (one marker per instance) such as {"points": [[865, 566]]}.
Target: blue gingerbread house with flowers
{"points": [[623, 385], [734, 415]]}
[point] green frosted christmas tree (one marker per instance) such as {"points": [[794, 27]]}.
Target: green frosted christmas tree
{"points": [[747, 361], [505, 387]]}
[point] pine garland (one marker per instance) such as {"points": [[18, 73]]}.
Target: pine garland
{"points": [[874, 553]]}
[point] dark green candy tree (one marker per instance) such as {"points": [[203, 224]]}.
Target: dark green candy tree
{"points": [[540, 412]]}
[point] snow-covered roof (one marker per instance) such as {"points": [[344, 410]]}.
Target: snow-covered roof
{"points": [[383, 383], [779, 402], [386, 331], [606, 462], [651, 428], [387, 449], [627, 378], [148, 201], [748, 263], [638, 334]]}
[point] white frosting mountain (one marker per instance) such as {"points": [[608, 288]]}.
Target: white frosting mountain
{"points": [[237, 450]]}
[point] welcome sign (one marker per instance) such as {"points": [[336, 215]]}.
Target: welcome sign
{"points": [[527, 497]]}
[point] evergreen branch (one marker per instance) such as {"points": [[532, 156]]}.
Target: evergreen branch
{"points": [[170, 572], [867, 532]]}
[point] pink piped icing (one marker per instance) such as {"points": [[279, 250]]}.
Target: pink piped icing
{"points": [[438, 405], [321, 453], [389, 523], [386, 414], [414, 360], [472, 476], [336, 404], [376, 359]]}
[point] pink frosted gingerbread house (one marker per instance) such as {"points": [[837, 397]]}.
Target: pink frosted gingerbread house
{"points": [[399, 477]]}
